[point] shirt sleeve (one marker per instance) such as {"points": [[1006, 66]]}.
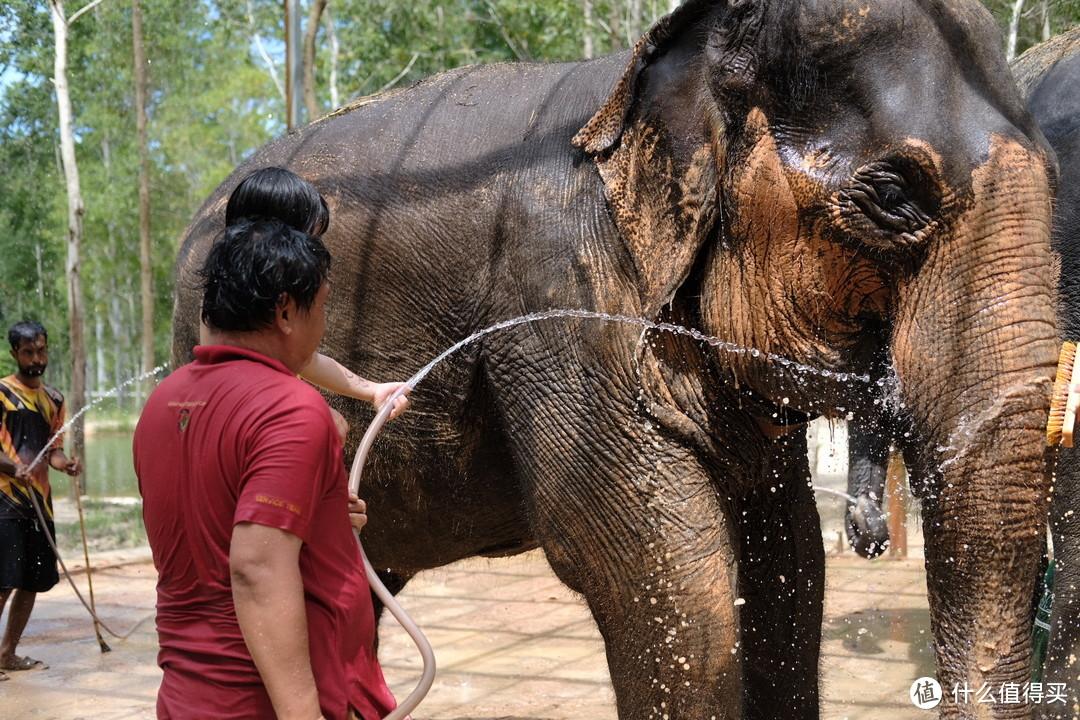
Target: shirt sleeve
{"points": [[285, 468]]}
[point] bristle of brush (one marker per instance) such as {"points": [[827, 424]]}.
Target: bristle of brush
{"points": [[1060, 396]]}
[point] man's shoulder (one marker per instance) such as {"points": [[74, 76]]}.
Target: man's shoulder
{"points": [[248, 382], [55, 395]]}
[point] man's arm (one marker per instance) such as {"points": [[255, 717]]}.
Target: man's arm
{"points": [[7, 465], [331, 375], [268, 593]]}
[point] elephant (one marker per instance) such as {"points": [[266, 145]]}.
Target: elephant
{"points": [[1049, 80], [785, 175]]}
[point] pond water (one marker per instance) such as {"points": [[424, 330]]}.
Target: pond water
{"points": [[109, 468]]}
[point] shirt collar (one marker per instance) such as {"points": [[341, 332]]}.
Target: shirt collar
{"points": [[216, 354]]}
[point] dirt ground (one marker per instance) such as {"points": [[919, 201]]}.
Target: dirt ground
{"points": [[511, 642]]}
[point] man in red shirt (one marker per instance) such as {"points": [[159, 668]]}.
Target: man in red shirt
{"points": [[263, 607]]}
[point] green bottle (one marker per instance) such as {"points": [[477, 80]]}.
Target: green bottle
{"points": [[1040, 634]]}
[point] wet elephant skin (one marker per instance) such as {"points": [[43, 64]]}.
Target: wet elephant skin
{"points": [[784, 175]]}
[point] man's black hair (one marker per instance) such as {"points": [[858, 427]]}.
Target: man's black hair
{"points": [[252, 265], [276, 193], [26, 331]]}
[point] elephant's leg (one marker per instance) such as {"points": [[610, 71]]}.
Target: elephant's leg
{"points": [[782, 580], [1063, 654], [652, 553], [395, 583]]}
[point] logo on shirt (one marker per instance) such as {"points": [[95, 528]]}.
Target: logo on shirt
{"points": [[185, 419], [279, 503]]}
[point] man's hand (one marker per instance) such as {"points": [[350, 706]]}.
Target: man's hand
{"points": [[381, 393], [59, 461], [357, 513], [22, 473]]}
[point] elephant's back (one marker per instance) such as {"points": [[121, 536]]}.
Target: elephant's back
{"points": [[418, 157], [1050, 73], [467, 114], [1054, 95], [1030, 69]]}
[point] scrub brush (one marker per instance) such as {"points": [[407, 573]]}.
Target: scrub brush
{"points": [[1063, 403]]}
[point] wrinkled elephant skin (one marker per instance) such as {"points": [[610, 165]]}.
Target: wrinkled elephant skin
{"points": [[784, 175]]}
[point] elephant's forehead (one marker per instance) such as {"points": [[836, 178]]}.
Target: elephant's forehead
{"points": [[840, 27]]}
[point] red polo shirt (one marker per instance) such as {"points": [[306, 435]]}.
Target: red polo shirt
{"points": [[235, 437]]}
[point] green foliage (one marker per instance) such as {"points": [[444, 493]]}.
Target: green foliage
{"points": [[212, 102], [1036, 17]]}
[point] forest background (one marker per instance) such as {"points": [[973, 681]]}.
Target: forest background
{"points": [[213, 91]]}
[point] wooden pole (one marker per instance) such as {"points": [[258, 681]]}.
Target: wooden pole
{"points": [[86, 557], [896, 492]]}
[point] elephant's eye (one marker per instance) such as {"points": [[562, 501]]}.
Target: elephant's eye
{"points": [[883, 195], [888, 203]]}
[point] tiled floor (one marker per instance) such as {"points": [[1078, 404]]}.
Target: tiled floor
{"points": [[511, 642]]}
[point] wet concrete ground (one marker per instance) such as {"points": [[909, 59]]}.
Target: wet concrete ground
{"points": [[511, 641]]}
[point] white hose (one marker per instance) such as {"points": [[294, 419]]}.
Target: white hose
{"points": [[417, 695]]}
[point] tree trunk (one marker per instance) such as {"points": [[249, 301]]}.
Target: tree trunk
{"points": [[146, 267], [40, 277], [1045, 20], [292, 65], [673, 5], [76, 210], [635, 21], [1014, 30], [116, 329], [133, 361], [100, 380], [312, 30], [588, 11], [615, 24], [335, 49]]}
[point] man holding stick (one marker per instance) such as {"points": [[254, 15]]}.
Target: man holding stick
{"points": [[31, 416]]}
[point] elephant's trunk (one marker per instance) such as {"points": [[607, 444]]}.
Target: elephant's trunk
{"points": [[975, 349], [868, 459]]}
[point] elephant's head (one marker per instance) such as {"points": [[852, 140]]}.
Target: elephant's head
{"points": [[810, 177]]}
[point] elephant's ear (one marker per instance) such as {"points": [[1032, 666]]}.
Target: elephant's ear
{"points": [[656, 142], [605, 128]]}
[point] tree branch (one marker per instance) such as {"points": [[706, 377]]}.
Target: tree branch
{"points": [[262, 52], [400, 75], [493, 13], [83, 10]]}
